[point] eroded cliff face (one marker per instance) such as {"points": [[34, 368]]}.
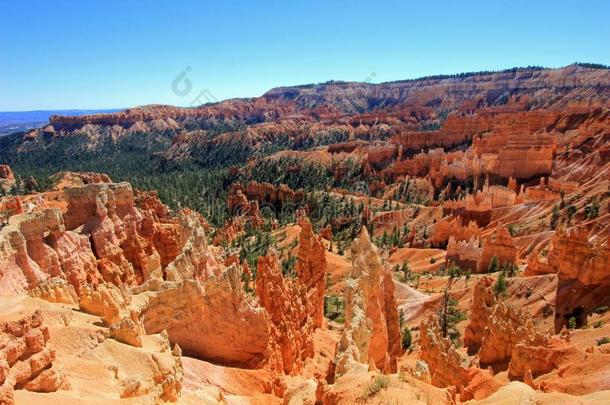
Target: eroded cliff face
{"points": [[371, 336], [286, 301], [144, 271], [7, 178], [136, 297], [446, 366], [311, 268], [26, 360]]}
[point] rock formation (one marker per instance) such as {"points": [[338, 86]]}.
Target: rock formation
{"points": [[7, 178], [575, 258], [371, 334], [286, 301], [26, 360], [311, 267], [500, 245], [483, 303], [506, 328], [446, 365], [212, 320]]}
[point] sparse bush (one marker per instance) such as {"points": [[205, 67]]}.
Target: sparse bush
{"points": [[288, 266], [454, 271], [547, 310], [449, 315], [555, 217], [407, 338], [500, 286], [603, 341], [493, 265], [572, 323], [592, 210], [380, 382]]}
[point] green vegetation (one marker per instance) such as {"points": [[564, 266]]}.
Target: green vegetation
{"points": [[132, 158], [500, 285], [407, 338], [572, 323], [379, 382], [592, 210], [454, 271], [253, 245], [603, 341], [493, 265], [449, 315], [571, 210], [555, 217], [512, 230], [334, 308], [288, 266]]}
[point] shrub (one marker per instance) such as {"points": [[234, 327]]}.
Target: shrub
{"points": [[407, 338], [510, 269], [572, 323], [512, 229], [555, 217], [380, 382], [449, 315], [493, 265], [454, 271], [592, 210], [603, 341], [288, 266], [500, 286]]}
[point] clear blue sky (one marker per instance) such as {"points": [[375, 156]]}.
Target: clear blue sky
{"points": [[106, 54]]}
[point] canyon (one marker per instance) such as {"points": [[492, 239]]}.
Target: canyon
{"points": [[439, 240]]}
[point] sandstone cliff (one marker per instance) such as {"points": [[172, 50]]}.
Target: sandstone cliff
{"points": [[371, 336]]}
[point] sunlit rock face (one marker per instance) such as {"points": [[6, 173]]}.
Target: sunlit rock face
{"points": [[371, 336]]}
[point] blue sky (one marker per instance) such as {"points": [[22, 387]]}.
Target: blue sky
{"points": [[108, 54]]}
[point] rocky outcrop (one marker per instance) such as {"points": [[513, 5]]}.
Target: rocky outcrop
{"points": [[581, 265], [371, 335], [453, 227], [525, 156], [26, 360], [7, 178], [311, 268], [213, 320], [266, 193], [575, 258], [496, 328], [107, 211], [464, 254], [500, 245], [538, 359], [481, 307], [63, 180], [506, 328], [446, 368], [286, 302], [102, 236], [9, 206]]}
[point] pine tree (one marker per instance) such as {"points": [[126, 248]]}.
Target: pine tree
{"points": [[500, 286], [449, 315], [493, 265]]}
